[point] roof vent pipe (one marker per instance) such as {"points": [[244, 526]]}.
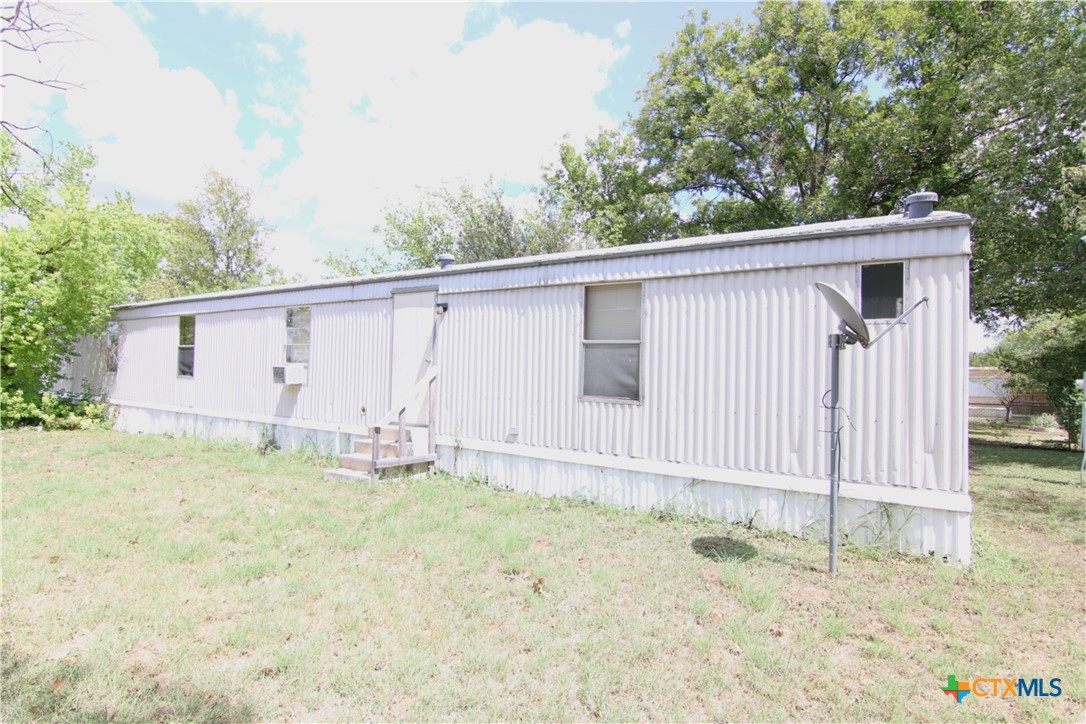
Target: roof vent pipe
{"points": [[445, 260], [919, 205]]}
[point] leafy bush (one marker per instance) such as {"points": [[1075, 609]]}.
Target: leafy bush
{"points": [[66, 259], [52, 412], [1046, 421]]}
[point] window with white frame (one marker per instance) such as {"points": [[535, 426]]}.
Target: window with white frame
{"points": [[297, 347], [186, 346], [612, 341], [882, 290]]}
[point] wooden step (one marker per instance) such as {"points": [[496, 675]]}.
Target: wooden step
{"points": [[392, 433], [387, 463], [387, 449], [364, 463], [352, 476], [354, 461], [359, 468]]}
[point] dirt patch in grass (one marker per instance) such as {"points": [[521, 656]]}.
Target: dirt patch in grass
{"points": [[180, 580], [145, 661]]}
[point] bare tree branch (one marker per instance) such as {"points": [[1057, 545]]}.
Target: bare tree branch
{"points": [[28, 28], [54, 83]]}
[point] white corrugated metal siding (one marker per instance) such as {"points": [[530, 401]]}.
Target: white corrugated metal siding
{"points": [[235, 353], [734, 369]]}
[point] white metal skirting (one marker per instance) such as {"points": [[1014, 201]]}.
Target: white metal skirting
{"points": [[873, 515], [907, 528], [285, 434]]}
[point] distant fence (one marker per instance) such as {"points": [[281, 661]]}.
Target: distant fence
{"points": [[1068, 418], [995, 411]]}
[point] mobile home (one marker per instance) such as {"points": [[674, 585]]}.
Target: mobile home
{"points": [[689, 375]]}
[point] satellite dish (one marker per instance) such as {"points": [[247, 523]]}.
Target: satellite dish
{"points": [[855, 325], [853, 329]]}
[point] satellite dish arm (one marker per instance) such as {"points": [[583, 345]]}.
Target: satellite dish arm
{"points": [[906, 313], [848, 334]]}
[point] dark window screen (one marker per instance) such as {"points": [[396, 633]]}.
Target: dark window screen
{"points": [[882, 290], [185, 359], [611, 370]]}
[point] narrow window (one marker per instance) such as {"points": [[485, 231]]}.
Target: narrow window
{"points": [[612, 341], [113, 347], [186, 347], [882, 290], [297, 347]]}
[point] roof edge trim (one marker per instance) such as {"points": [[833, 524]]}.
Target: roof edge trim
{"points": [[743, 238]]}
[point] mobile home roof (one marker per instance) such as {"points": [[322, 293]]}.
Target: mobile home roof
{"points": [[296, 292]]}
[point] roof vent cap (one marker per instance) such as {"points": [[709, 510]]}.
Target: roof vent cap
{"points": [[445, 260], [919, 205]]}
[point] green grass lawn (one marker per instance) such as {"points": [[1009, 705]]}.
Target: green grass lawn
{"points": [[1019, 430], [155, 578]]}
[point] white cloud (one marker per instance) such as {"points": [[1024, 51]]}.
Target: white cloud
{"points": [[267, 52], [155, 131], [296, 254], [438, 109], [622, 30], [273, 114]]}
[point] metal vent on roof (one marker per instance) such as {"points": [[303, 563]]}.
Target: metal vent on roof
{"points": [[919, 205]]}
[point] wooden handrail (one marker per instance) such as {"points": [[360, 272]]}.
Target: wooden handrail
{"points": [[416, 392], [430, 442], [375, 449], [400, 440], [427, 384]]}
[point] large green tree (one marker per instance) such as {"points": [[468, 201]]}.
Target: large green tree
{"points": [[65, 260], [216, 243], [472, 225], [820, 111], [752, 125], [607, 192], [345, 264], [1023, 128]]}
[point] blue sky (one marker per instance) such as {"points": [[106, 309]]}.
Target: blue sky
{"points": [[332, 113]]}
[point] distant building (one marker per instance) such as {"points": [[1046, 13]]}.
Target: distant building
{"points": [[989, 396]]}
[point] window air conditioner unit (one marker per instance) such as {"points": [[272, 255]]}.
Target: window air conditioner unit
{"points": [[296, 373]]}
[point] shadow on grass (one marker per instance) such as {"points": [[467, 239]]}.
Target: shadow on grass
{"points": [[994, 459], [719, 547], [1024, 502], [47, 690]]}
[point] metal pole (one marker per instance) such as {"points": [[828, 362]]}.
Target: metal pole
{"points": [[837, 343]]}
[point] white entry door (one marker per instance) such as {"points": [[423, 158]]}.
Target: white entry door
{"points": [[412, 346]]}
